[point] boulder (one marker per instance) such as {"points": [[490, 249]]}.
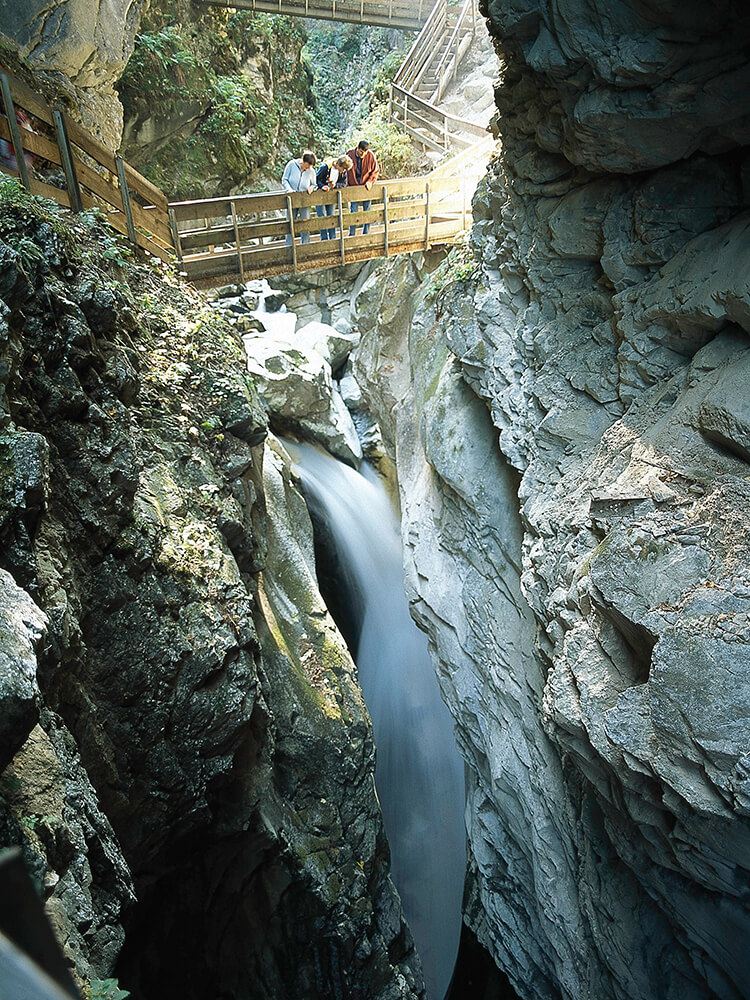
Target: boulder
{"points": [[22, 629], [334, 345], [297, 387]]}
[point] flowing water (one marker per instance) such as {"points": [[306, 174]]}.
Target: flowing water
{"points": [[419, 774]]}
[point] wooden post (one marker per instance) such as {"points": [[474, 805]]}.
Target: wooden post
{"points": [[15, 135], [427, 216], [290, 212], [176, 237], [385, 219], [341, 224], [237, 242], [463, 198], [125, 195], [445, 133], [66, 155]]}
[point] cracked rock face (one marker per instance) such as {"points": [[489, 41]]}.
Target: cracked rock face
{"points": [[576, 543], [87, 41]]}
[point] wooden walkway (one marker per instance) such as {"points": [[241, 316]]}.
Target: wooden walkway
{"points": [[247, 236], [428, 69], [408, 14]]}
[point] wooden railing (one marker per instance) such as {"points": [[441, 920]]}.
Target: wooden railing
{"points": [[428, 68], [423, 49], [245, 235], [94, 176], [429, 124], [457, 47], [408, 14]]}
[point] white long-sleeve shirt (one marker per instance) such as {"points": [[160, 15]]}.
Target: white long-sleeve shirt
{"points": [[297, 179]]}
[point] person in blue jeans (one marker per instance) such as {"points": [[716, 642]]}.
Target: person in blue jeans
{"points": [[299, 175], [363, 173], [331, 175]]}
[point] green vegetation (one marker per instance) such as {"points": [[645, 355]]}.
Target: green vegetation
{"points": [[352, 66], [105, 989], [210, 98], [459, 265]]}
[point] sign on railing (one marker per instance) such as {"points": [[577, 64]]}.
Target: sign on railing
{"points": [[94, 176]]}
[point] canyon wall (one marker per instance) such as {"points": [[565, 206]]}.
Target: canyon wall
{"points": [[83, 46], [567, 409], [185, 756]]}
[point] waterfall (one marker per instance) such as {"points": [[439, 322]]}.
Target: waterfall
{"points": [[419, 774]]}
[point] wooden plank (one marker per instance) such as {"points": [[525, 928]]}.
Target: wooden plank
{"points": [[29, 101], [48, 191], [34, 143], [116, 219], [106, 158]]}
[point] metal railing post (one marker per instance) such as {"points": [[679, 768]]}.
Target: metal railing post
{"points": [[427, 216], [290, 212], [66, 155], [15, 135], [125, 195], [175, 236], [341, 224], [385, 219], [237, 241]]}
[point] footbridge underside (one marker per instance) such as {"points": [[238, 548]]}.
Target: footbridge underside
{"points": [[382, 13]]}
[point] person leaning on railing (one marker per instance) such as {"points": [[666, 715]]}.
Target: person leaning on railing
{"points": [[331, 175], [364, 172], [299, 175]]}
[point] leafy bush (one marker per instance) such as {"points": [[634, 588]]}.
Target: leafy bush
{"points": [[105, 989], [396, 153]]}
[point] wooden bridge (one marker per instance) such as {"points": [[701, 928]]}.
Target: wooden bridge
{"points": [[246, 236], [407, 14], [258, 235]]}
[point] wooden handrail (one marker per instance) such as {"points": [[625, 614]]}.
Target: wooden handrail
{"points": [[249, 239], [94, 176], [453, 47], [423, 44], [394, 13]]}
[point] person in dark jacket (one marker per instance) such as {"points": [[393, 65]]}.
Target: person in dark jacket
{"points": [[331, 175], [364, 173]]}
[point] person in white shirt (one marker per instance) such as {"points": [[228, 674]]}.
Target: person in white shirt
{"points": [[299, 175]]}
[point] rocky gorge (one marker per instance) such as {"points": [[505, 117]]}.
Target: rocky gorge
{"points": [[561, 407]]}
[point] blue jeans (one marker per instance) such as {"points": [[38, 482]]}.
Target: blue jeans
{"points": [[354, 207], [323, 210], [299, 213]]}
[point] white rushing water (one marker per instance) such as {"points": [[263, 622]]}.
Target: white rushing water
{"points": [[419, 774]]}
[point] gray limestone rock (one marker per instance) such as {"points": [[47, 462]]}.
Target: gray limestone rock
{"points": [[22, 627], [296, 384]]}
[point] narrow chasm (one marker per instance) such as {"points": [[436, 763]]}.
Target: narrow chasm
{"points": [[419, 774]]}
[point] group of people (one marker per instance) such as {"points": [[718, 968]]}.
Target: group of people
{"points": [[357, 168]]}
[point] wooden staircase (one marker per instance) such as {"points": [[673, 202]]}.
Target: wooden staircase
{"points": [[431, 64]]}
